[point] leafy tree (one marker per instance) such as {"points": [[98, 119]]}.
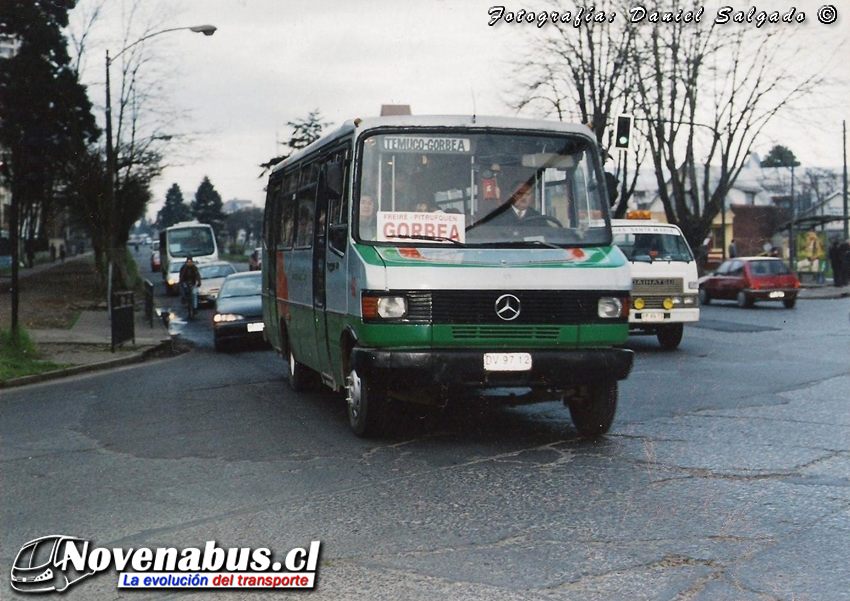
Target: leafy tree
{"points": [[46, 118], [208, 207], [250, 220], [174, 210], [304, 132], [780, 156]]}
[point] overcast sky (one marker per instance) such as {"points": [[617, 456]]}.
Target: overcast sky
{"points": [[273, 61]]}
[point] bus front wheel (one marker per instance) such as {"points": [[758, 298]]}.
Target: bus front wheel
{"points": [[594, 414], [366, 405]]}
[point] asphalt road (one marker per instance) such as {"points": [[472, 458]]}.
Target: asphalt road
{"points": [[725, 476]]}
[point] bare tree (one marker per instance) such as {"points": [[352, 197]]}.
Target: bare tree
{"points": [[705, 94], [584, 74]]}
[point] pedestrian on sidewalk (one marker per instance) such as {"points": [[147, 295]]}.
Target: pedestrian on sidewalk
{"points": [[62, 252]]}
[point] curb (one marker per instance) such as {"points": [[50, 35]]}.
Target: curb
{"points": [[165, 346]]}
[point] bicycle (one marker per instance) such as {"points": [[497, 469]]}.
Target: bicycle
{"points": [[190, 294]]}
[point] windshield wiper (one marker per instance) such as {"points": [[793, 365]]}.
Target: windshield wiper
{"points": [[430, 239]]}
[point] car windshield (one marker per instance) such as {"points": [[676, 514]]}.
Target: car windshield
{"points": [[216, 271], [241, 286], [481, 189], [653, 247]]}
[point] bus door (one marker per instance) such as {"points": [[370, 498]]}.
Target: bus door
{"points": [[329, 274]]}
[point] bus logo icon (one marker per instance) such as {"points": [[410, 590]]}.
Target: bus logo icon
{"points": [[41, 565], [507, 307]]}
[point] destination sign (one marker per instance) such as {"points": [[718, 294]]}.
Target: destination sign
{"points": [[441, 144]]}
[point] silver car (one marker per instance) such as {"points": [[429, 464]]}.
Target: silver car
{"points": [[212, 276]]}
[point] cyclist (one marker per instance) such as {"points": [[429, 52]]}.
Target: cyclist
{"points": [[190, 281]]}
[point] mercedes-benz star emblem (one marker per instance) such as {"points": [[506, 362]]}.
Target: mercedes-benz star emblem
{"points": [[507, 307]]}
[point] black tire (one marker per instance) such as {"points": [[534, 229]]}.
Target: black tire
{"points": [[704, 297], [670, 336], [594, 415], [367, 405], [300, 376], [744, 301], [790, 303]]}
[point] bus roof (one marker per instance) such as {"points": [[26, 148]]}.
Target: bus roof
{"points": [[441, 121], [642, 224]]}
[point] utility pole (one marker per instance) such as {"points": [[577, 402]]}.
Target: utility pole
{"points": [[846, 219]]}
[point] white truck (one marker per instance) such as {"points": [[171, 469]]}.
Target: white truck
{"points": [[664, 273]]}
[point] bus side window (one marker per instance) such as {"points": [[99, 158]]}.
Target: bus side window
{"points": [[306, 198], [337, 203], [274, 201], [287, 211]]}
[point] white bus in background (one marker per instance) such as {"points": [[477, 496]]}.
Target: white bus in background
{"points": [[664, 277], [186, 239]]}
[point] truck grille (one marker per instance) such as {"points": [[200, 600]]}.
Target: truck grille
{"points": [[657, 286]]}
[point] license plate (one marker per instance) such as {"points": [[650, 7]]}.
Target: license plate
{"points": [[255, 327], [507, 361], [652, 316], [777, 294]]}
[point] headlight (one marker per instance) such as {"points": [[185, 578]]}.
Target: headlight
{"points": [[226, 317], [172, 280], [693, 285], [611, 307], [638, 303], [383, 307]]}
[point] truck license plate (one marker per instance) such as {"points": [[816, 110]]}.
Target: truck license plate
{"points": [[507, 361], [652, 316]]}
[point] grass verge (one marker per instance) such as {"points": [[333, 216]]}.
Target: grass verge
{"points": [[19, 356]]}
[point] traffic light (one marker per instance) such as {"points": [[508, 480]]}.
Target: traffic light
{"points": [[623, 135]]}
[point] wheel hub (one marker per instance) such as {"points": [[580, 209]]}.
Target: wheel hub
{"points": [[354, 389]]}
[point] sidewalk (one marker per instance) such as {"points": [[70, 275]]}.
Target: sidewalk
{"points": [[87, 345]]}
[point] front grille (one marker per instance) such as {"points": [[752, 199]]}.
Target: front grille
{"points": [[558, 307], [657, 286], [549, 308], [506, 332]]}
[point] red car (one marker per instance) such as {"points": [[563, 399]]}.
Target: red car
{"points": [[750, 279]]}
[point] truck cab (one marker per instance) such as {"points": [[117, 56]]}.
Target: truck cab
{"points": [[664, 275]]}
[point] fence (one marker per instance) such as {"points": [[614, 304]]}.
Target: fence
{"points": [[122, 318]]}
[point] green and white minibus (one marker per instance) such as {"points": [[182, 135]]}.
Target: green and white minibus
{"points": [[397, 267]]}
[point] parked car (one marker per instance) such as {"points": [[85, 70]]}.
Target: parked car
{"points": [[750, 279], [238, 310], [212, 277]]}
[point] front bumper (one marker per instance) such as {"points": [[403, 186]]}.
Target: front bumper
{"points": [[771, 294], [559, 370], [239, 330]]}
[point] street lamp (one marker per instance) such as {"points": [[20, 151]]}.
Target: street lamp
{"points": [[207, 30]]}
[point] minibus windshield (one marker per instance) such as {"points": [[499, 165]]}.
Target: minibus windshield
{"points": [[480, 189], [653, 247]]}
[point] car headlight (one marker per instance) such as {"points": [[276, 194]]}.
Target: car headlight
{"points": [[172, 280], [612, 307], [227, 317], [383, 307]]}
